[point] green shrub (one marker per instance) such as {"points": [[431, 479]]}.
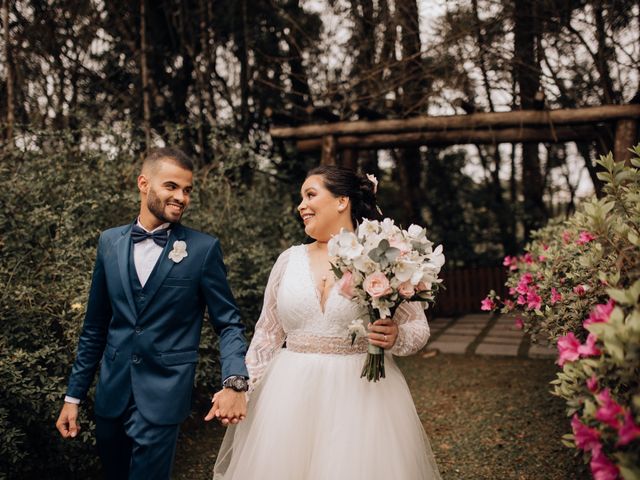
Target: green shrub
{"points": [[578, 285], [56, 196]]}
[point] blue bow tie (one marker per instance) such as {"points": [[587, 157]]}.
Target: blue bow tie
{"points": [[139, 234]]}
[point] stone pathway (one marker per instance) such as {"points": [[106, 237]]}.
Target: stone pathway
{"points": [[484, 334]]}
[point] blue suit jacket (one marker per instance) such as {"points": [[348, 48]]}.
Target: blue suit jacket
{"points": [[152, 351]]}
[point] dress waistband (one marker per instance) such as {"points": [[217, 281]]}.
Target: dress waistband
{"points": [[309, 343]]}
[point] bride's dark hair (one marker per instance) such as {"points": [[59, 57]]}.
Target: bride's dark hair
{"points": [[344, 182]]}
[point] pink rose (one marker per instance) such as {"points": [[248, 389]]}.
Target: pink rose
{"points": [[422, 286], [345, 285], [406, 290], [377, 285]]}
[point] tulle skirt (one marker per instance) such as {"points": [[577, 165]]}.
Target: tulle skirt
{"points": [[313, 418]]}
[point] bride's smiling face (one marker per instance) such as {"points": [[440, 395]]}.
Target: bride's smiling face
{"points": [[323, 213]]}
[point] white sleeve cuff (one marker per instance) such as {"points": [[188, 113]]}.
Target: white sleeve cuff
{"points": [[68, 399]]}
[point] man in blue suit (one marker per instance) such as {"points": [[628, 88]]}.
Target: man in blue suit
{"points": [[151, 283]]}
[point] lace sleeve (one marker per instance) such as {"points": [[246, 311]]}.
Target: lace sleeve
{"points": [[413, 329], [269, 335]]}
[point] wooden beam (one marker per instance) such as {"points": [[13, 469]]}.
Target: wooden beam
{"points": [[465, 122], [626, 137], [455, 137]]}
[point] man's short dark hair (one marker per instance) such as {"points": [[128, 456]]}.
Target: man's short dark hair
{"points": [[171, 153]]}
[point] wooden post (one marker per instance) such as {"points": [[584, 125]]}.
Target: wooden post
{"points": [[328, 150], [626, 137], [349, 158]]}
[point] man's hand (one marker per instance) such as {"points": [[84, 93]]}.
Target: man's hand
{"points": [[228, 406], [67, 423]]}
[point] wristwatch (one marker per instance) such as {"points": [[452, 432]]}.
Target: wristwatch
{"points": [[237, 383]]}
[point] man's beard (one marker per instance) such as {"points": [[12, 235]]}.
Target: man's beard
{"points": [[156, 207]]}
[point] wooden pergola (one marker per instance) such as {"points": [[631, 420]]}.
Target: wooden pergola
{"points": [[339, 140]]}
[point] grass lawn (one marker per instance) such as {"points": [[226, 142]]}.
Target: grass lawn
{"points": [[487, 417]]}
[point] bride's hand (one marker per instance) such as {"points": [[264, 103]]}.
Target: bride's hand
{"points": [[383, 333], [228, 406]]}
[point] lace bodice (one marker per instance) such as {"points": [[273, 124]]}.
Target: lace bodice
{"points": [[292, 310]]}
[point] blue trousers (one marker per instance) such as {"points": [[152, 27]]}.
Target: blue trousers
{"points": [[132, 448]]}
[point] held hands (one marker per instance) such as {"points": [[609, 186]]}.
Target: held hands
{"points": [[67, 423], [383, 333], [228, 406]]}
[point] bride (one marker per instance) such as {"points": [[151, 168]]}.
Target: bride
{"points": [[310, 415]]}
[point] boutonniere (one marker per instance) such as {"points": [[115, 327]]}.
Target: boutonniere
{"points": [[179, 251]]}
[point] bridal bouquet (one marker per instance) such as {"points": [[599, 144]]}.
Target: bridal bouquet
{"points": [[379, 267]]}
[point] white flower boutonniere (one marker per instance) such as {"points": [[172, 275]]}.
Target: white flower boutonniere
{"points": [[179, 251]]}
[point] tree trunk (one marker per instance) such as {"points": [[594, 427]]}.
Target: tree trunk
{"points": [[146, 106], [409, 164], [527, 73], [9, 70]]}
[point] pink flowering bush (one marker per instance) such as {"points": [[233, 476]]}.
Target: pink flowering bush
{"points": [[577, 286]]}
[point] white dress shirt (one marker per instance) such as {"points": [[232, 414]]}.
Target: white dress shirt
{"points": [[145, 256]]}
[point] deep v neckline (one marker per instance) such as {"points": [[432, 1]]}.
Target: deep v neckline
{"points": [[322, 307]]}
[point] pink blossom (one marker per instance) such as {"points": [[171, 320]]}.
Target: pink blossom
{"points": [[586, 438], [555, 296], [487, 304], [545, 247], [423, 286], [406, 289], [592, 384], [527, 258], [542, 258], [609, 409], [585, 237], [566, 236], [377, 285], [628, 431], [519, 323], [568, 349], [534, 302], [601, 467], [580, 290], [511, 262], [509, 304], [589, 348], [600, 313], [345, 285], [521, 300], [512, 291], [527, 278]]}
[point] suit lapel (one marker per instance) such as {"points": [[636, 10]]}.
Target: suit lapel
{"points": [[163, 267], [123, 248]]}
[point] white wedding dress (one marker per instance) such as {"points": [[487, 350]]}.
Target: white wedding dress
{"points": [[310, 415]]}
